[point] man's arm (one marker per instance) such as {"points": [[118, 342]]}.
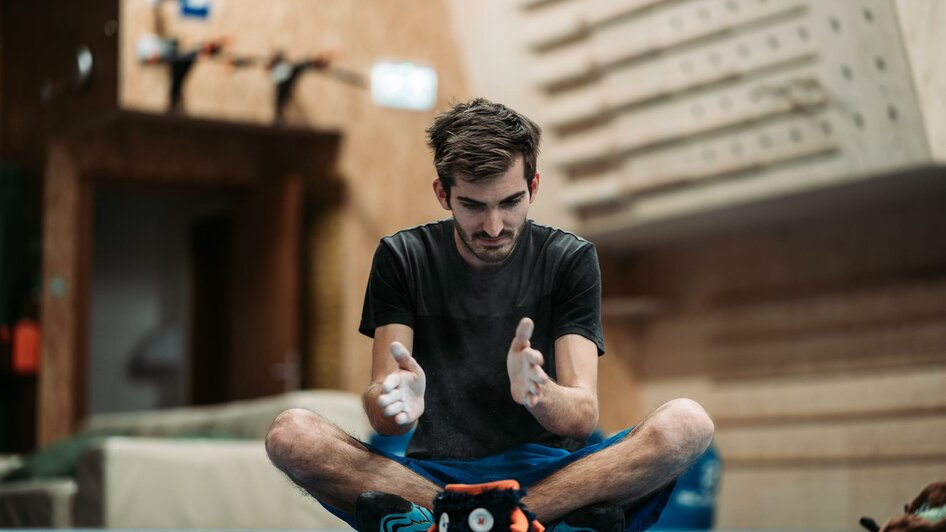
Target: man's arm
{"points": [[568, 407], [395, 398]]}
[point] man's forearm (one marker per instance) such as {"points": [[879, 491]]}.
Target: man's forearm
{"points": [[382, 424], [566, 411]]}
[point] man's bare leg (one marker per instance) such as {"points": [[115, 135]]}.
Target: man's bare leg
{"points": [[658, 450], [336, 468]]}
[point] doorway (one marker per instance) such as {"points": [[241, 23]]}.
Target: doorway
{"points": [[193, 296], [206, 218], [153, 250]]}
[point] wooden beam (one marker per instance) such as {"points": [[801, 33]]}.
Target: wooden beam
{"points": [[64, 300]]}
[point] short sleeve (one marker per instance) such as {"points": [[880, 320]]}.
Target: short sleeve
{"points": [[388, 296], [577, 300]]}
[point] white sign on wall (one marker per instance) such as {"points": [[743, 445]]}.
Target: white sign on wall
{"points": [[403, 85]]}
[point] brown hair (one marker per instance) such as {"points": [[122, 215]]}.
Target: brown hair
{"points": [[479, 139]]}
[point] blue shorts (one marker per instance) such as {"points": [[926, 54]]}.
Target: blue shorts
{"points": [[527, 464]]}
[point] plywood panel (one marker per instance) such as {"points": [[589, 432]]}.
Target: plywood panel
{"points": [[854, 310], [619, 387], [861, 441], [818, 498], [792, 142], [568, 21], [658, 138], [324, 273], [819, 349], [678, 121], [715, 64], [919, 25], [887, 394], [636, 38]]}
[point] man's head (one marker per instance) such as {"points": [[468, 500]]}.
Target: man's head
{"points": [[479, 140], [485, 158]]}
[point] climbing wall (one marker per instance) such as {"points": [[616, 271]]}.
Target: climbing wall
{"points": [[676, 115]]}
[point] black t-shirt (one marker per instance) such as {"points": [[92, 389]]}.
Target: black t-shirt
{"points": [[464, 321]]}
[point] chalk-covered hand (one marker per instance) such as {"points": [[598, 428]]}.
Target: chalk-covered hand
{"points": [[402, 391], [526, 376]]}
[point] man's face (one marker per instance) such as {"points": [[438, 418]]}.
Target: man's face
{"points": [[489, 215]]}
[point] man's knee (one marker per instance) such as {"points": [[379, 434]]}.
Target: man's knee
{"points": [[286, 441], [684, 427]]}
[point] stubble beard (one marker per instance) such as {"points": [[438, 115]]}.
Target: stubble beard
{"points": [[487, 255]]}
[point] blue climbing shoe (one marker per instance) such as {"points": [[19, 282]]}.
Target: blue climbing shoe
{"points": [[376, 511]]}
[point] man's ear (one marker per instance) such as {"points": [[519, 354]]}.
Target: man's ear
{"points": [[534, 187], [443, 195]]}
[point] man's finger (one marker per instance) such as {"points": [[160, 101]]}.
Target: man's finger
{"points": [[534, 357], [537, 377], [394, 408], [402, 356], [402, 418], [386, 399], [390, 382], [524, 332]]}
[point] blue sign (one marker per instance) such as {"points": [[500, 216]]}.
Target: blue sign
{"points": [[195, 8]]}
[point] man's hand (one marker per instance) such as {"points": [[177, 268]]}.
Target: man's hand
{"points": [[402, 391], [524, 364]]}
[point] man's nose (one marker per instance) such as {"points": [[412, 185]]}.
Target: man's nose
{"points": [[494, 223]]}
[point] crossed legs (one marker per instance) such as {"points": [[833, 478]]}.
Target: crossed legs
{"points": [[336, 468], [656, 452]]}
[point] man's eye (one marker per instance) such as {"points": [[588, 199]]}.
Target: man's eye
{"points": [[510, 204], [472, 206]]}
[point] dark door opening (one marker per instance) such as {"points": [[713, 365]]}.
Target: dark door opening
{"points": [[194, 295], [210, 243]]}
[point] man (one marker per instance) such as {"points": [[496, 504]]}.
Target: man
{"points": [[486, 332]]}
